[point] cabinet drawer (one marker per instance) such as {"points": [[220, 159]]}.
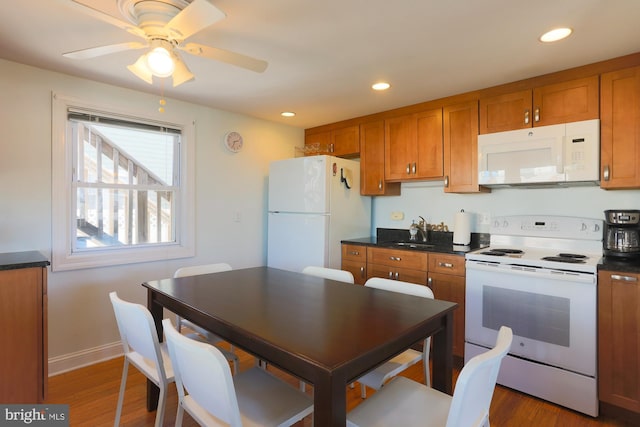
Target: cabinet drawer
{"points": [[398, 258], [397, 273], [448, 264], [354, 252]]}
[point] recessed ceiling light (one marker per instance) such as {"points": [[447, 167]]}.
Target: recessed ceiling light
{"points": [[287, 114], [555, 35], [380, 86]]}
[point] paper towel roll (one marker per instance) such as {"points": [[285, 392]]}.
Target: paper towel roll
{"points": [[462, 228]]}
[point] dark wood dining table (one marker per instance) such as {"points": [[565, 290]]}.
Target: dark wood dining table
{"points": [[324, 332]]}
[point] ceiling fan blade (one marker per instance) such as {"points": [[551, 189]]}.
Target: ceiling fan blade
{"points": [[198, 15], [88, 10], [181, 74], [103, 50], [229, 57]]}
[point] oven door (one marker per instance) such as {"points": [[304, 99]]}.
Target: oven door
{"points": [[552, 313]]}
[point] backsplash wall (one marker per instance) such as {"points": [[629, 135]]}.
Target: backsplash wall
{"points": [[429, 200]]}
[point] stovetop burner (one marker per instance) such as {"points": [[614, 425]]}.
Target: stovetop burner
{"points": [[502, 252], [566, 259]]}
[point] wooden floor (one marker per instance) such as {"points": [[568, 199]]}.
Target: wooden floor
{"points": [[92, 394]]}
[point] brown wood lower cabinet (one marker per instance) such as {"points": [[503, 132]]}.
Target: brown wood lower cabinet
{"points": [[619, 339], [23, 316], [354, 260]]}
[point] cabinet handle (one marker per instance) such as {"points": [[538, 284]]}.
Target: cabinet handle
{"points": [[354, 253], [362, 272], [526, 116], [408, 168], [380, 185], [397, 275], [446, 181], [536, 114], [624, 278], [413, 169], [606, 173], [391, 275], [395, 258], [445, 264], [331, 148], [429, 282]]}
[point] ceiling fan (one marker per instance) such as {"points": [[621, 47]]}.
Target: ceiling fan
{"points": [[165, 25]]}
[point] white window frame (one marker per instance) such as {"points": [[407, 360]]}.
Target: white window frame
{"points": [[62, 257]]}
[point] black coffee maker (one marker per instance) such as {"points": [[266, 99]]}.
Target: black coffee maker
{"points": [[621, 233]]}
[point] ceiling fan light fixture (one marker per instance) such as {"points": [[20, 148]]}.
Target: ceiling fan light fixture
{"points": [[160, 62], [140, 69]]}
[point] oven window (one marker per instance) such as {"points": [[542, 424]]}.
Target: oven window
{"points": [[530, 315]]}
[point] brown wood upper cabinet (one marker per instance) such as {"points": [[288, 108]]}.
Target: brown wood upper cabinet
{"points": [[413, 146], [620, 129], [372, 181], [342, 142], [461, 148], [569, 101]]}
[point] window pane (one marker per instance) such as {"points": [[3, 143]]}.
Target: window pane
{"points": [[115, 217]]}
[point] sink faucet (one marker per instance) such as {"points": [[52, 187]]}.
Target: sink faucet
{"points": [[415, 229]]}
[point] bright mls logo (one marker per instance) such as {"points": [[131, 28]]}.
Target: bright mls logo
{"points": [[36, 415]]}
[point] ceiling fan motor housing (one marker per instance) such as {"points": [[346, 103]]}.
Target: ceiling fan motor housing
{"points": [[151, 15]]}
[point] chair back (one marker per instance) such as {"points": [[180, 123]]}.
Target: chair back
{"points": [[138, 332], [400, 286], [195, 270], [476, 384], [329, 273], [203, 371]]}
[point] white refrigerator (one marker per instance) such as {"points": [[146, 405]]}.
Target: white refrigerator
{"points": [[314, 203]]}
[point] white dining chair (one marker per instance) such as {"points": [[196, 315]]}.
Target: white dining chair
{"points": [[201, 333], [329, 273], [404, 402], [379, 376], [208, 392], [143, 350]]}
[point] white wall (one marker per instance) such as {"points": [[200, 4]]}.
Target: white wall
{"points": [[81, 319], [430, 201]]}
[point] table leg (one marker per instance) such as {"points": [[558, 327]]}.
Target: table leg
{"points": [[330, 402], [153, 392], [442, 350]]}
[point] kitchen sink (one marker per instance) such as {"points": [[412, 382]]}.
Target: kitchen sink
{"points": [[412, 245]]}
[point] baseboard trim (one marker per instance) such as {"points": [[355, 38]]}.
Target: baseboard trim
{"points": [[69, 362]]}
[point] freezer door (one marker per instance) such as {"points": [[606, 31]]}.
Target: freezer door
{"points": [[299, 185], [297, 240]]}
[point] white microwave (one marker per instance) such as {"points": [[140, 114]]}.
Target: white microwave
{"points": [[555, 154]]}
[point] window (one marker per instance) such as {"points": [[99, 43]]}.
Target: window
{"points": [[124, 185]]}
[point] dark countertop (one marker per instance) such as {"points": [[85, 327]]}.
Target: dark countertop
{"points": [[625, 265], [27, 259], [441, 241]]}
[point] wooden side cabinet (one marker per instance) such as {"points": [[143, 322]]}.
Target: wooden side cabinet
{"points": [[23, 317], [372, 181], [619, 339], [354, 260], [447, 280]]}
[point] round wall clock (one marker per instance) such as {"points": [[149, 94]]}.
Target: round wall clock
{"points": [[233, 141]]}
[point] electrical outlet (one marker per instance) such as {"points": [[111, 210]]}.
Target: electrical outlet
{"points": [[484, 218], [397, 216]]}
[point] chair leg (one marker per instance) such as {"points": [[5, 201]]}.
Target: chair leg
{"points": [[179, 415], [123, 384], [161, 404]]}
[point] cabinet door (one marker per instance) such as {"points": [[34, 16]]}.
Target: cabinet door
{"points": [[354, 260], [317, 143], [399, 147], [565, 102], [506, 112], [397, 273], [620, 129], [429, 144], [23, 355], [619, 339], [461, 148], [372, 182], [345, 142], [451, 288]]}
